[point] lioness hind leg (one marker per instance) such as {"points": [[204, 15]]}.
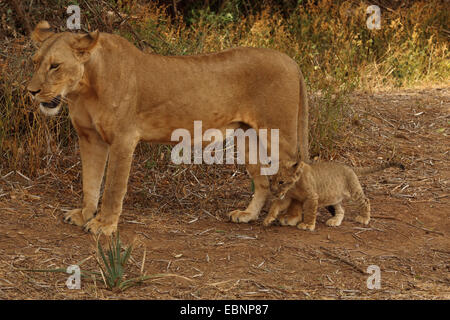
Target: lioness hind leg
{"points": [[338, 216], [293, 215], [78, 217], [261, 182], [259, 198], [277, 206]]}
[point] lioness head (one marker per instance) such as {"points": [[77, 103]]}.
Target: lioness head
{"points": [[288, 174], [59, 65]]}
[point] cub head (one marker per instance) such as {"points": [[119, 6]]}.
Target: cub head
{"points": [[58, 65], [288, 174]]}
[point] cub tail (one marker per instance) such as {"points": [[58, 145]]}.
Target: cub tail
{"points": [[369, 170]]}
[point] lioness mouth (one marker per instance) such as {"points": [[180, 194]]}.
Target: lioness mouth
{"points": [[52, 104]]}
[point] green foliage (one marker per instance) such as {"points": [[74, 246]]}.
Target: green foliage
{"points": [[114, 262], [113, 267]]}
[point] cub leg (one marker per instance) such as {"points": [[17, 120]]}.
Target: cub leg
{"points": [[94, 152], [309, 213], [338, 216], [119, 164], [277, 206], [363, 206], [293, 215]]}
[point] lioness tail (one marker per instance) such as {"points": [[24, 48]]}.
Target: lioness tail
{"points": [[303, 127]]}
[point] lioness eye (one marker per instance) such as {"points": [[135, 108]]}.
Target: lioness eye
{"points": [[281, 182], [54, 66]]}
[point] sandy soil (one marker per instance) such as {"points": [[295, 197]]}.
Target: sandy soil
{"points": [[176, 217]]}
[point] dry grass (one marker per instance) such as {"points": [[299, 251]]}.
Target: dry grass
{"points": [[176, 217], [177, 213], [329, 40]]}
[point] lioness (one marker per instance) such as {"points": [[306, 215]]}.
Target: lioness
{"points": [[319, 184], [117, 96]]}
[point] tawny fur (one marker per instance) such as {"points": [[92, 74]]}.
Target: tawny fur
{"points": [[117, 96], [305, 187]]}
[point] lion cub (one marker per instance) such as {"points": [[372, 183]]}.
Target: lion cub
{"points": [[320, 184]]}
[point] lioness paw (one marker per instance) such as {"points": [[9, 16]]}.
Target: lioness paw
{"points": [[304, 226], [241, 216], [268, 220], [287, 220], [362, 220], [75, 217], [97, 226]]}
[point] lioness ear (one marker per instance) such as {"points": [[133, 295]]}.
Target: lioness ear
{"points": [[87, 41], [84, 44], [41, 32]]}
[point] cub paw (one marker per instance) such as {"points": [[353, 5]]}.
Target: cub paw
{"points": [[304, 226], [98, 226], [334, 222], [362, 220], [76, 217], [241, 216]]}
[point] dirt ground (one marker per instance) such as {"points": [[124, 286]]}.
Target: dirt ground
{"points": [[176, 216]]}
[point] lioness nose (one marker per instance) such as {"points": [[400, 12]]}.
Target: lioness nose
{"points": [[34, 92]]}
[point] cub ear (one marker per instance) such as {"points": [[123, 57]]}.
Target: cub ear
{"points": [[41, 32], [288, 164], [299, 168]]}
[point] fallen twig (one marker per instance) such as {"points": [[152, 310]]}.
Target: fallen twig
{"points": [[330, 254], [425, 229]]}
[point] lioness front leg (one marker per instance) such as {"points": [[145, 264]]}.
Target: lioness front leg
{"points": [[119, 164], [94, 153]]}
